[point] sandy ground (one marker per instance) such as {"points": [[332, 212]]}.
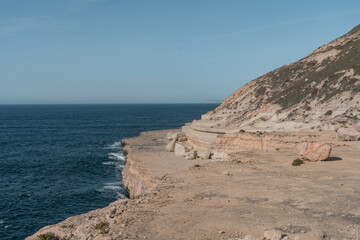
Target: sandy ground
{"points": [[204, 199]]}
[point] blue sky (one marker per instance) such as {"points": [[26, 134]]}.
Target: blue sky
{"points": [[114, 51]]}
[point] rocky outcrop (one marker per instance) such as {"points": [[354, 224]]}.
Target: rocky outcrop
{"points": [[227, 144], [100, 224]]}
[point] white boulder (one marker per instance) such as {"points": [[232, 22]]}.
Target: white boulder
{"points": [[181, 149], [348, 134], [204, 154], [171, 146]]}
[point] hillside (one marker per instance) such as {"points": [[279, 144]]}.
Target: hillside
{"points": [[314, 93]]}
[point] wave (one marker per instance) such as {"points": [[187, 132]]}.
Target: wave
{"points": [[120, 196], [116, 156], [117, 164], [110, 163], [116, 187], [114, 146], [113, 187]]}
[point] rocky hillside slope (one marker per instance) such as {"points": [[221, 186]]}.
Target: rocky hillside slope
{"points": [[314, 93]]}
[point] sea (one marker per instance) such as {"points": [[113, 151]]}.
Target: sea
{"points": [[57, 161]]}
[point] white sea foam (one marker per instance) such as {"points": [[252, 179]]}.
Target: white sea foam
{"points": [[117, 164], [114, 146], [120, 166], [116, 156], [1, 221], [113, 187], [120, 196], [110, 163]]}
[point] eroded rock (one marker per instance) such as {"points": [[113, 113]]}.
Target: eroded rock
{"points": [[337, 127], [357, 128], [348, 134], [191, 155], [204, 154], [314, 151], [175, 135], [181, 149], [182, 139], [171, 146]]}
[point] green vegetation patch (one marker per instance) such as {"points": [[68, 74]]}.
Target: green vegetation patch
{"points": [[297, 162], [48, 236], [103, 227], [287, 94], [328, 113]]}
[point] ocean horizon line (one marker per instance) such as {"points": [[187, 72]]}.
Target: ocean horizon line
{"points": [[50, 104]]}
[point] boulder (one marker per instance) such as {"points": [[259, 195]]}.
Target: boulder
{"points": [[181, 149], [338, 126], [175, 135], [249, 237], [169, 135], [204, 154], [171, 146], [182, 139], [348, 134], [341, 119], [191, 155], [357, 128], [273, 234], [314, 151]]}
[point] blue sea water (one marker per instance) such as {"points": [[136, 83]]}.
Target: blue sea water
{"points": [[62, 160]]}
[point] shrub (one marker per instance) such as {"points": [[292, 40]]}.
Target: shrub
{"points": [[48, 236], [328, 113], [297, 162], [103, 227]]}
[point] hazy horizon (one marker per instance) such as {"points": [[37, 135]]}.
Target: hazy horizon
{"points": [[121, 52]]}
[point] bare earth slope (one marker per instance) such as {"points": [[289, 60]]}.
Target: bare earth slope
{"points": [[228, 200], [315, 92]]}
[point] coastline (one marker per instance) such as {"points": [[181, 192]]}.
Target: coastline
{"points": [[175, 198]]}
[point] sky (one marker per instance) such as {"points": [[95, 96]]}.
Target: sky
{"points": [[188, 51]]}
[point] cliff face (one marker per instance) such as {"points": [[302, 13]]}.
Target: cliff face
{"points": [[176, 198], [315, 92]]}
